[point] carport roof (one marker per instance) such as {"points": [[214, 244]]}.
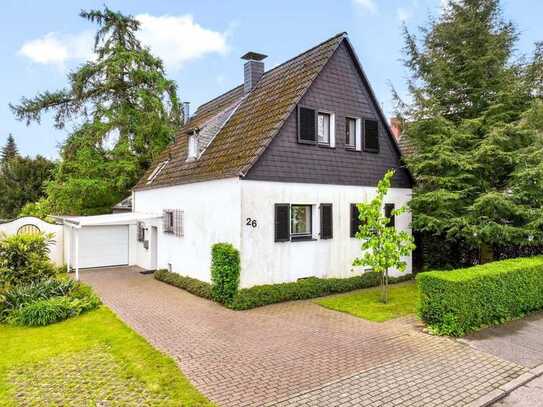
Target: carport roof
{"points": [[109, 219]]}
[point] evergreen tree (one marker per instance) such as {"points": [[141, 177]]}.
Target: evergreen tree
{"points": [[10, 149], [129, 113], [471, 122], [22, 181]]}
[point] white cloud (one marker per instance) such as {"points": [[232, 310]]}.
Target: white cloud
{"points": [[56, 49], [175, 39], [367, 5], [403, 14], [179, 39]]}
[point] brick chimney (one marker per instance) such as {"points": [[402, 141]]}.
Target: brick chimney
{"points": [[252, 70], [396, 127]]}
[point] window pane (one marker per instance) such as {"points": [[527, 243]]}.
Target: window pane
{"points": [[324, 128], [351, 132], [301, 220]]}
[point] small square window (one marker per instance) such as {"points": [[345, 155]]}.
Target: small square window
{"points": [[323, 128], [350, 132], [300, 221]]}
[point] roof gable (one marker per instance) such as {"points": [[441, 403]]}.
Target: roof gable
{"points": [[249, 130]]}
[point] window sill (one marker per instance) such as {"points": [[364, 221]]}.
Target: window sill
{"points": [[302, 239], [371, 150], [325, 146], [308, 142], [351, 148]]}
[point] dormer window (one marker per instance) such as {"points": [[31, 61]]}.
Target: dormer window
{"points": [[192, 147]]}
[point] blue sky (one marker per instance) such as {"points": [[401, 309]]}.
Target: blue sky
{"points": [[201, 42]]}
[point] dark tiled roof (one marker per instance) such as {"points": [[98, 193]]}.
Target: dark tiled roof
{"points": [[246, 134]]}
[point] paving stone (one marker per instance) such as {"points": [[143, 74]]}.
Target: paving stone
{"points": [[298, 353]]}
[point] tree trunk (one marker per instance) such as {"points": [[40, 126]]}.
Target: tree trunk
{"points": [[384, 287], [486, 253]]}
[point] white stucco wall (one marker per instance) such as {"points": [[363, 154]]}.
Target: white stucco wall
{"points": [[212, 213], [264, 261], [57, 247]]}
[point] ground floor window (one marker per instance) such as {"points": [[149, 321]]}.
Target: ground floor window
{"points": [[300, 221]]}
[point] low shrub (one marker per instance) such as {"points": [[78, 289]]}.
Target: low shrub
{"points": [[44, 312], [192, 285], [306, 288], [456, 302], [31, 305], [20, 295], [24, 259], [225, 270]]}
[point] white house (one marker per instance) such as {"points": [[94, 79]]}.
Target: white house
{"points": [[273, 166]]}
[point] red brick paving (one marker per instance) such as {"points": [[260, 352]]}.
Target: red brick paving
{"points": [[298, 353]]}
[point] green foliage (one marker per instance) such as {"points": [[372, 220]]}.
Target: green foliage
{"points": [[192, 285], [459, 301], [125, 112], [24, 260], [382, 245], [366, 303], [22, 181], [475, 124], [9, 151], [47, 301], [45, 312], [304, 289], [225, 271]]}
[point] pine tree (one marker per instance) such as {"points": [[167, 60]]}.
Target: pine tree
{"points": [[129, 112], [469, 124], [9, 151]]}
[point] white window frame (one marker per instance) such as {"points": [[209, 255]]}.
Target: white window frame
{"points": [[331, 130], [307, 235], [192, 147]]}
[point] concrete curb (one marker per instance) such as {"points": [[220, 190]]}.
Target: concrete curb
{"points": [[504, 390]]}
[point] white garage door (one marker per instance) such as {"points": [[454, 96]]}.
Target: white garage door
{"points": [[101, 246]]}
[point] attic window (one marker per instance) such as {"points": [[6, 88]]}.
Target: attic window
{"points": [[192, 147], [156, 171]]}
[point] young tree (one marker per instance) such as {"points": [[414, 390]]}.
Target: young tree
{"points": [[467, 123], [129, 112], [9, 151], [382, 245]]}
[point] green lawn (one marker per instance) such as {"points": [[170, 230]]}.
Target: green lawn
{"points": [[93, 359], [366, 303]]}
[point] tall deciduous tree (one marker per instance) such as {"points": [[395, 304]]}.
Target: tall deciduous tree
{"points": [[9, 151], [382, 244], [129, 112], [471, 121]]}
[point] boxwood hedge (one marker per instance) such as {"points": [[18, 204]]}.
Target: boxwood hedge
{"points": [[247, 298], [192, 285], [456, 302]]}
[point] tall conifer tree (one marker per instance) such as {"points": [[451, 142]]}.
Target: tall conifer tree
{"points": [[468, 121]]}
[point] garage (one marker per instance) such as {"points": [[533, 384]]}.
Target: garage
{"points": [[103, 246], [102, 240]]}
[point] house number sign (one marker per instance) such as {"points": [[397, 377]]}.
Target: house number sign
{"points": [[251, 222]]}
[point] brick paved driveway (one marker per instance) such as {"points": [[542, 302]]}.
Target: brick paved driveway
{"points": [[297, 353]]}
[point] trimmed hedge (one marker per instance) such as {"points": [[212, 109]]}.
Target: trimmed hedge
{"points": [[225, 270], [304, 289], [459, 301], [192, 285]]}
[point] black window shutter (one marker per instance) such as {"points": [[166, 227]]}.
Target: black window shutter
{"points": [[371, 135], [282, 222], [355, 221], [388, 213], [307, 125], [326, 221]]}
